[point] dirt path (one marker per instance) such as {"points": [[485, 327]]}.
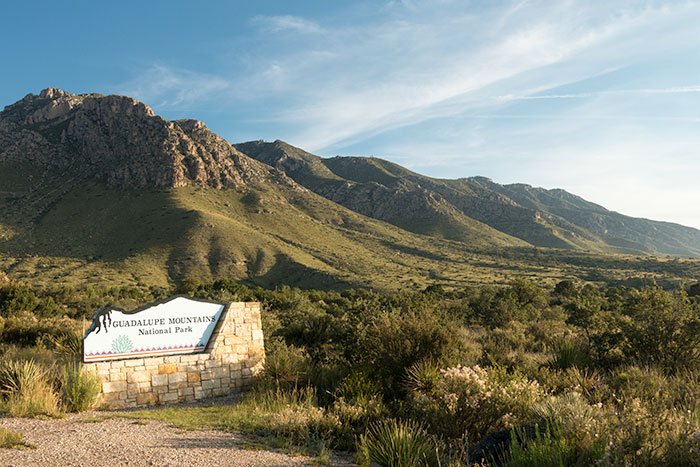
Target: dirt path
{"points": [[79, 440]]}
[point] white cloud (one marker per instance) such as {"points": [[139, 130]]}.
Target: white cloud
{"points": [[163, 87], [286, 23]]}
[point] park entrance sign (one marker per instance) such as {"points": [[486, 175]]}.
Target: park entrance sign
{"points": [[175, 350], [179, 325]]}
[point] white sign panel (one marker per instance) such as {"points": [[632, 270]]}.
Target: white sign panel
{"points": [[179, 325]]}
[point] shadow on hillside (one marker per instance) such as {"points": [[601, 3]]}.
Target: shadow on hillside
{"points": [[92, 221], [289, 272], [413, 251]]}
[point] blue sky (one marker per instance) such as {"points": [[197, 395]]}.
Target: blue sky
{"points": [[600, 98]]}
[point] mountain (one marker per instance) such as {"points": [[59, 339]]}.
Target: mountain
{"points": [[99, 190], [376, 189], [618, 231], [119, 141], [439, 207]]}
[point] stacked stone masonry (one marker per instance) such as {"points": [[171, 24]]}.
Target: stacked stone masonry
{"points": [[235, 354]]}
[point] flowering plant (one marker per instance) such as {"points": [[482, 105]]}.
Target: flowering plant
{"points": [[475, 400]]}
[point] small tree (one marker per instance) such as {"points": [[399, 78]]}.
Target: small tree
{"points": [[661, 329], [585, 309]]}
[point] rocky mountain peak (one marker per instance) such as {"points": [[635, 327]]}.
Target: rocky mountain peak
{"points": [[189, 124], [53, 93], [119, 140]]}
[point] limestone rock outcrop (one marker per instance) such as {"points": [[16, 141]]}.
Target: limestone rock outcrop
{"points": [[121, 141]]}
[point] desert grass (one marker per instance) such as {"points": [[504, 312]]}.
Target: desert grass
{"points": [[80, 390], [12, 440]]}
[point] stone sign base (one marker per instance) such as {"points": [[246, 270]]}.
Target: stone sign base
{"points": [[234, 355]]}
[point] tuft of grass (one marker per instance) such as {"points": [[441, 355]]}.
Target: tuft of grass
{"points": [[570, 354], [13, 440], [549, 448], [397, 443], [287, 366], [80, 391]]}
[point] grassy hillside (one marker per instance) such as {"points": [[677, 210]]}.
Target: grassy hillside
{"points": [[90, 233], [457, 208], [378, 189]]}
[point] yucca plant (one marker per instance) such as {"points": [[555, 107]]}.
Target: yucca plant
{"points": [[67, 346], [423, 376], [398, 443], [15, 374], [27, 390]]}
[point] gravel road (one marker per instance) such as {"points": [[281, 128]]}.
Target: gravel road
{"points": [[80, 440]]}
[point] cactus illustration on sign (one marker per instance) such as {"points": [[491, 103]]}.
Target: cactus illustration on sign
{"points": [[122, 344]]}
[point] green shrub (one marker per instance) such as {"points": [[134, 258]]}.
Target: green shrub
{"points": [[660, 328], [286, 366], [577, 420], [514, 346], [396, 443], [641, 433], [681, 390], [354, 417], [647, 326], [27, 390], [397, 341], [358, 385], [25, 329], [325, 378], [522, 301], [590, 383], [625, 432], [17, 298], [80, 390]]}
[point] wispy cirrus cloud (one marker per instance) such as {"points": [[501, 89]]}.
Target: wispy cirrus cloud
{"points": [[617, 92], [350, 81], [422, 63], [164, 87], [286, 23]]}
